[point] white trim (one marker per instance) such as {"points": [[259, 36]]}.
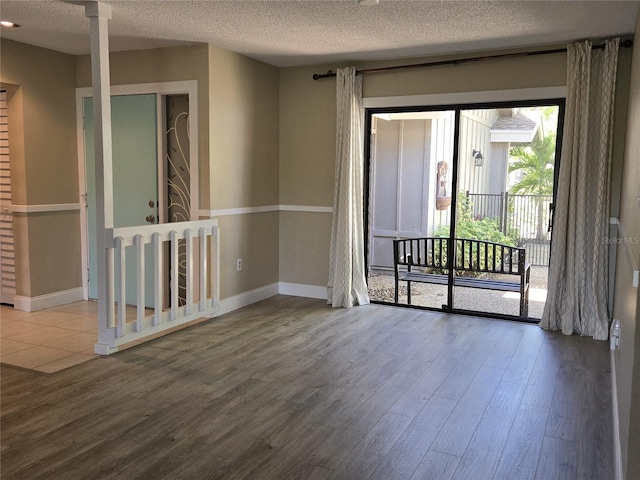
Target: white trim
{"points": [[161, 148], [226, 306], [223, 212], [305, 208], [41, 302], [151, 332], [490, 96], [171, 88], [84, 240], [246, 298], [45, 207], [617, 448], [301, 290], [241, 300], [238, 211], [146, 232]]}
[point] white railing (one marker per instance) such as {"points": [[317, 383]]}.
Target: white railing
{"points": [[187, 250]]}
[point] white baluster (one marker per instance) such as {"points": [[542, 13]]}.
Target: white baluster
{"points": [[121, 282], [202, 234], [157, 294], [110, 290], [189, 271], [215, 269], [174, 274], [138, 241]]}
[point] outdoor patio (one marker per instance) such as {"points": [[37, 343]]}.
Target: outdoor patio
{"points": [[382, 289]]}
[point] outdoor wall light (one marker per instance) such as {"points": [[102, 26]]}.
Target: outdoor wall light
{"points": [[479, 159]]}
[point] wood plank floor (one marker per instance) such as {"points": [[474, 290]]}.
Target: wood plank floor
{"points": [[292, 389]]}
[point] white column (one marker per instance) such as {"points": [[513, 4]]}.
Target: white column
{"points": [[99, 15]]}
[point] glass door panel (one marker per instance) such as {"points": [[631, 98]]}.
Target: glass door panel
{"points": [[504, 190], [409, 199]]}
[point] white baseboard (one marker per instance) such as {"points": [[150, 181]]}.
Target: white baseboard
{"points": [[33, 304], [242, 300], [246, 298], [252, 296], [301, 290], [617, 448]]}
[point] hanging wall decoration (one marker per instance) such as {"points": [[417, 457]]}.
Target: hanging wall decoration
{"points": [[442, 199]]}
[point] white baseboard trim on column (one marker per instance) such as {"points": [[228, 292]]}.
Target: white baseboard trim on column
{"points": [[246, 298], [301, 290], [617, 448], [33, 304]]}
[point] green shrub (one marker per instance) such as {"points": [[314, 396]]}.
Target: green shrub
{"points": [[476, 229]]}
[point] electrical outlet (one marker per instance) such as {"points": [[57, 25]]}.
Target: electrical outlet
{"points": [[238, 264]]}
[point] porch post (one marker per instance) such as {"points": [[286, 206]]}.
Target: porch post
{"points": [[99, 15]]}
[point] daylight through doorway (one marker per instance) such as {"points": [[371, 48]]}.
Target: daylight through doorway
{"points": [[503, 158]]}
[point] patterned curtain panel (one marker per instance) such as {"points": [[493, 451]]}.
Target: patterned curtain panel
{"points": [[578, 273], [347, 283]]}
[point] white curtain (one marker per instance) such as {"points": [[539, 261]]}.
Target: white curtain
{"points": [[347, 284], [578, 275]]}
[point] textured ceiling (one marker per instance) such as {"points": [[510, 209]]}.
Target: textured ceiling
{"points": [[306, 32]]}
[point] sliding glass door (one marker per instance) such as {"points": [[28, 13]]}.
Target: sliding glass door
{"points": [[459, 206]]}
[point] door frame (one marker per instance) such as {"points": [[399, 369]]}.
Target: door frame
{"points": [[456, 102], [161, 90]]}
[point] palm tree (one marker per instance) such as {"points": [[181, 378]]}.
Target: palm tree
{"points": [[535, 161]]}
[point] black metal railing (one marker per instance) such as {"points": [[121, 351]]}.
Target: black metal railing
{"points": [[522, 217]]}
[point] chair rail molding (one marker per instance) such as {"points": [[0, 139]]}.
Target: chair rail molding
{"points": [[46, 207], [264, 209]]}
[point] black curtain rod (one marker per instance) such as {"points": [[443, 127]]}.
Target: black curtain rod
{"points": [[331, 73]]}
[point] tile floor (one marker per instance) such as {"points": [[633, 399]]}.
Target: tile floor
{"points": [[49, 340]]}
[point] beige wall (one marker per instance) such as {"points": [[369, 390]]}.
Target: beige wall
{"points": [[238, 136], [43, 147], [500, 74], [243, 116], [164, 65], [254, 238], [307, 138], [626, 299], [307, 159], [238, 150], [244, 131]]}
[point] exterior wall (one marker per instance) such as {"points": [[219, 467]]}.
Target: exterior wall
{"points": [[626, 299], [403, 178], [499, 167], [475, 134], [41, 87]]}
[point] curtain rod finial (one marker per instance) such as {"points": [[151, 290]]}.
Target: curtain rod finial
{"points": [[330, 73]]}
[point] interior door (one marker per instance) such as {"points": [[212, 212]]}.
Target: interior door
{"points": [[135, 179]]}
